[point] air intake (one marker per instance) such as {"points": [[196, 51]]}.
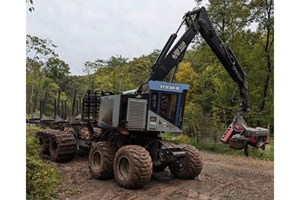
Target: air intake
{"points": [[136, 114]]}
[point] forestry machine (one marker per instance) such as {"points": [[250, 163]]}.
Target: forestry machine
{"points": [[124, 129]]}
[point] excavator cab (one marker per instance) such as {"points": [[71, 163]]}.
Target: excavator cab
{"points": [[166, 106]]}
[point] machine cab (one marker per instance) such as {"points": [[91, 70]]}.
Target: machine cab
{"points": [[159, 109], [166, 106]]}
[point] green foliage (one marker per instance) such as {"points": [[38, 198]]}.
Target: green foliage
{"points": [[177, 138], [138, 70], [117, 74], [38, 51], [58, 71], [90, 68], [31, 129], [42, 179]]}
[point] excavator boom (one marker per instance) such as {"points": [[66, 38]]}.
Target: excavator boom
{"points": [[197, 21]]}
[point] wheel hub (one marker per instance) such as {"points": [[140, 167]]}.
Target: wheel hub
{"points": [[124, 168], [97, 160]]}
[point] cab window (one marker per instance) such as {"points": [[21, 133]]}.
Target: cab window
{"points": [[168, 106]]}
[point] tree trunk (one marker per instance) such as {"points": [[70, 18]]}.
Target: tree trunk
{"points": [[267, 48]]}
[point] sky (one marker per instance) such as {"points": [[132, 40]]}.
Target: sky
{"points": [[87, 30]]}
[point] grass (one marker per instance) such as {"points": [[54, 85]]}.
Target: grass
{"points": [[32, 128], [220, 147]]}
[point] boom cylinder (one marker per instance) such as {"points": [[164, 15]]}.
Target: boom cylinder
{"points": [[166, 47]]}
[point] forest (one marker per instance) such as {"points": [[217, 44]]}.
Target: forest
{"points": [[246, 26]]}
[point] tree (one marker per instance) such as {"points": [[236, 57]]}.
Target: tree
{"points": [[231, 16], [115, 69], [186, 74], [30, 4], [33, 81], [247, 26], [265, 21], [90, 68], [117, 61], [57, 70], [137, 71], [117, 73], [37, 51]]}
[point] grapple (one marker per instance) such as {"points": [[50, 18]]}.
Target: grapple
{"points": [[238, 135]]}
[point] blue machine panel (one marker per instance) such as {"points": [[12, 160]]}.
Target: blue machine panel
{"points": [[168, 87]]}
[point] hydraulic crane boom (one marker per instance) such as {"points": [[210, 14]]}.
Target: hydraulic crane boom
{"points": [[238, 135], [197, 21]]}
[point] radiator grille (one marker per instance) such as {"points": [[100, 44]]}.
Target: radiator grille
{"points": [[136, 114]]}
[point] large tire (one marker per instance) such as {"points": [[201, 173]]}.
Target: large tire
{"points": [[101, 159], [57, 145], [188, 167], [53, 149], [132, 166], [44, 142]]}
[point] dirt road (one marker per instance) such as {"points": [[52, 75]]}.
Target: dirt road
{"points": [[222, 177]]}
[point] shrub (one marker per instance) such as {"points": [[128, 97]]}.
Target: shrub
{"points": [[177, 138], [42, 179]]}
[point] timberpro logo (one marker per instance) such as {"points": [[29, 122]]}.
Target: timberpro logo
{"points": [[179, 50], [169, 87]]}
